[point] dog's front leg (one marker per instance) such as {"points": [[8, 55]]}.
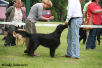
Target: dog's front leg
{"points": [[17, 42], [52, 52], [32, 49]]}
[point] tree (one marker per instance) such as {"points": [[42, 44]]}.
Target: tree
{"points": [[100, 2], [59, 9]]}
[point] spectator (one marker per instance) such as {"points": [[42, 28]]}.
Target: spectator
{"points": [[13, 14], [101, 19], [84, 35], [74, 17], [24, 10], [34, 15], [5, 29], [85, 14], [95, 10]]}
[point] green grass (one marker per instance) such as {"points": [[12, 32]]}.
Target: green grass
{"points": [[15, 57]]}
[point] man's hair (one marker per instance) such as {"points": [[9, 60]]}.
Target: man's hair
{"points": [[47, 2], [93, 0]]}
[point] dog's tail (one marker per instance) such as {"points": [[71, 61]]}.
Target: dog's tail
{"points": [[23, 33]]}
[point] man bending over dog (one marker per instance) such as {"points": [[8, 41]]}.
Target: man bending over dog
{"points": [[36, 13]]}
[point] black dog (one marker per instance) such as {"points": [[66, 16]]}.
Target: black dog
{"points": [[99, 34], [83, 35], [50, 41]]}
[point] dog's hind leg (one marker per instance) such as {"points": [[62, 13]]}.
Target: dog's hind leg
{"points": [[52, 52], [98, 39], [24, 41]]}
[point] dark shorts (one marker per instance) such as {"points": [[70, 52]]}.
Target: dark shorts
{"points": [[30, 26]]}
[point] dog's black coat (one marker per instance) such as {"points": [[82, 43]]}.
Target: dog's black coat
{"points": [[50, 41], [83, 35]]}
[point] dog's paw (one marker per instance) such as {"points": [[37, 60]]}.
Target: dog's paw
{"points": [[25, 51], [30, 54]]}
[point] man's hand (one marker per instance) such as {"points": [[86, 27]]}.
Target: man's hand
{"points": [[51, 18], [66, 23]]}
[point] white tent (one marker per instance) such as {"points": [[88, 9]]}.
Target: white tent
{"points": [[3, 5]]}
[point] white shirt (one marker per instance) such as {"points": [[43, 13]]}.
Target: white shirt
{"points": [[18, 16], [73, 9]]}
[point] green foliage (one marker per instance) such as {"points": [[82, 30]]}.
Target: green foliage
{"points": [[32, 2], [100, 2], [59, 8], [83, 3], [55, 15]]}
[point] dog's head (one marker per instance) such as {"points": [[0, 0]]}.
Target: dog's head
{"points": [[21, 33], [60, 28], [16, 34]]}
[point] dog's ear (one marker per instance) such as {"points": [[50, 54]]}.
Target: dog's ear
{"points": [[14, 33]]}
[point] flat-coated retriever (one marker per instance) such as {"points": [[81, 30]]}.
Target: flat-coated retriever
{"points": [[51, 40], [83, 35]]}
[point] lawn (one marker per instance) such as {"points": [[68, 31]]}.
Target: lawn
{"points": [[14, 57]]}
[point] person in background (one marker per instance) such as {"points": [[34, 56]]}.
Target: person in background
{"points": [[11, 2], [95, 10], [24, 10], [84, 33], [13, 14], [74, 19], [34, 15], [101, 19], [85, 13]]}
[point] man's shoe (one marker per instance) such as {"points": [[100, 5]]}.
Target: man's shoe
{"points": [[75, 57], [33, 54]]}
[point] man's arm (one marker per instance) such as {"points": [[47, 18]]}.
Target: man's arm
{"points": [[97, 11]]}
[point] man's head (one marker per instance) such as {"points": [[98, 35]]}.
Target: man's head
{"points": [[95, 0], [47, 3]]}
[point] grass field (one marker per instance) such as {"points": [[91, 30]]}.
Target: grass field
{"points": [[13, 57]]}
